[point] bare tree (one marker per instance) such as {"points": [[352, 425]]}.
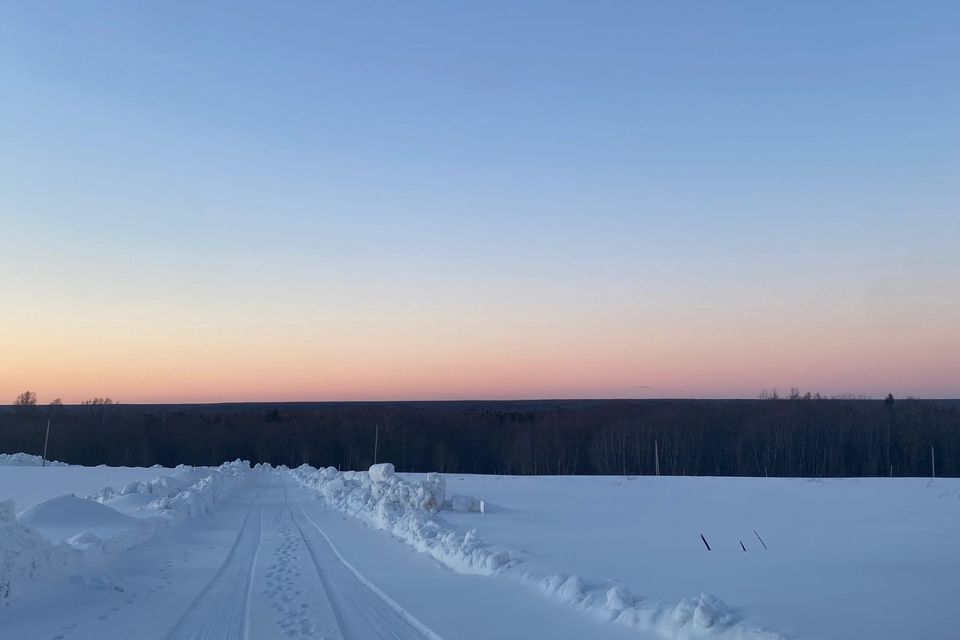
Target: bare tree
{"points": [[26, 399], [99, 401]]}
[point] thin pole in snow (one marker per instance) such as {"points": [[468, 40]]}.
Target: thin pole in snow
{"points": [[760, 539], [933, 462], [483, 496], [742, 547], [656, 457], [705, 543], [46, 441], [376, 443]]}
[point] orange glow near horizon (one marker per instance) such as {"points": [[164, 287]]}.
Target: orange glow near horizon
{"points": [[436, 360]]}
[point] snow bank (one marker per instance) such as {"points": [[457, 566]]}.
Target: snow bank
{"points": [[199, 497], [26, 460], [705, 617], [159, 487], [405, 509], [66, 535], [27, 558]]}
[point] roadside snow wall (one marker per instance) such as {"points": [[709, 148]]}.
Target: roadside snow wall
{"points": [[406, 509]]}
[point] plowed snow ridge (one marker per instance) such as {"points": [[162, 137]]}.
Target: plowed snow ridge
{"points": [[383, 500]]}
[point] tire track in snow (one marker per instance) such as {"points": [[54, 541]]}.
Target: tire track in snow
{"points": [[362, 610], [222, 608], [253, 569]]}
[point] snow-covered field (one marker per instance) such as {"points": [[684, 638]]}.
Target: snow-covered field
{"points": [[869, 558], [273, 553]]}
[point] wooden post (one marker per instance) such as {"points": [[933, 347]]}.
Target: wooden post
{"points": [[46, 441]]}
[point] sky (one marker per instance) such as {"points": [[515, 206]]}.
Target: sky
{"points": [[230, 201]]}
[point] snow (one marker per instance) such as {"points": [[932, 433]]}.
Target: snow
{"points": [[265, 553], [383, 504], [869, 558], [404, 509], [27, 558], [8, 510], [25, 460], [34, 484], [381, 472], [66, 516], [66, 532], [464, 504]]}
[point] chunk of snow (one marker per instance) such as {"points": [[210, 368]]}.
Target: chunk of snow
{"points": [[85, 541], [381, 472], [464, 504]]}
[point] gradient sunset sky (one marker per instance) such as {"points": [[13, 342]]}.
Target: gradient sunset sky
{"points": [[218, 201]]}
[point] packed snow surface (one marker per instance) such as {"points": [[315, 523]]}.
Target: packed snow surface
{"points": [[258, 552]]}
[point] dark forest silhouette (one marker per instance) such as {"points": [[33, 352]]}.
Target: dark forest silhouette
{"points": [[784, 437]]}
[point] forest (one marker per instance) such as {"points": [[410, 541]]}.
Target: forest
{"points": [[792, 437]]}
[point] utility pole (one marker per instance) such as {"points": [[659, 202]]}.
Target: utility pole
{"points": [[376, 443], [46, 441]]}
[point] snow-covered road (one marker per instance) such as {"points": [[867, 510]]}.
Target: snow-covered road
{"points": [[283, 578], [263, 565]]}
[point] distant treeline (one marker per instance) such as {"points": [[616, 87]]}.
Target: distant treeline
{"points": [[784, 437]]}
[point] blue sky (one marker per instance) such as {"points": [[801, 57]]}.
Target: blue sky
{"points": [[629, 194]]}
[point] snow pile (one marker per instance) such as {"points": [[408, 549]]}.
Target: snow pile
{"points": [[26, 557], [26, 460], [386, 501], [464, 504], [704, 617], [199, 497], [68, 515], [160, 487]]}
